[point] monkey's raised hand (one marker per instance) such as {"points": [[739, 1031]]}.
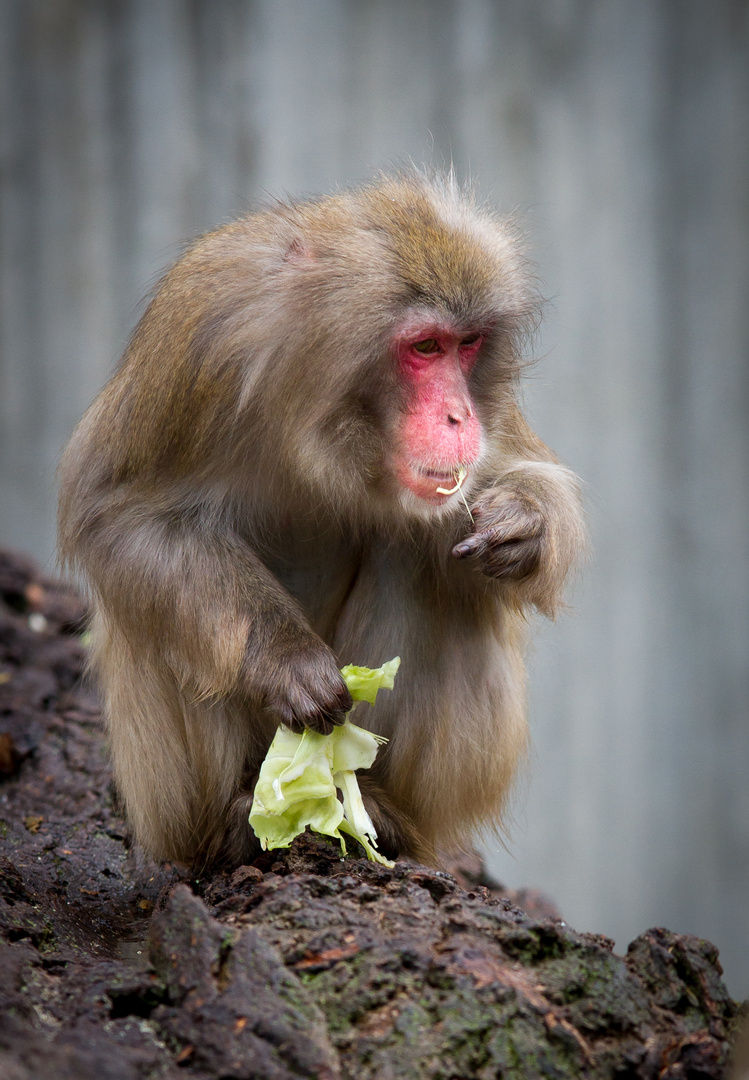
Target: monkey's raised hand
{"points": [[508, 538], [303, 687]]}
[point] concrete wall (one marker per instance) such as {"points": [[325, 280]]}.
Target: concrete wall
{"points": [[621, 129]]}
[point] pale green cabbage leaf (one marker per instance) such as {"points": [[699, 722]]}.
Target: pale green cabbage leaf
{"points": [[302, 774]]}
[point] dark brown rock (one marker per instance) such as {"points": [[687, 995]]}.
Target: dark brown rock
{"points": [[302, 965]]}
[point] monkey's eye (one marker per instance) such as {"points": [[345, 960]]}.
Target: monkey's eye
{"points": [[471, 339], [428, 345]]}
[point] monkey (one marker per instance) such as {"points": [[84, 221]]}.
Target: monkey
{"points": [[313, 453]]}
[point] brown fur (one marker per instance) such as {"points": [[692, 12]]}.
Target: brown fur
{"points": [[229, 498]]}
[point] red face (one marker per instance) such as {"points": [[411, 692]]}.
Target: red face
{"points": [[440, 434]]}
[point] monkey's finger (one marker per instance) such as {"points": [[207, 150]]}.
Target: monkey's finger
{"points": [[501, 532], [317, 707], [334, 706], [311, 717], [320, 721], [482, 540], [472, 545], [325, 720], [310, 723], [513, 560]]}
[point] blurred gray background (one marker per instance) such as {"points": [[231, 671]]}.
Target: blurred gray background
{"points": [[620, 129]]}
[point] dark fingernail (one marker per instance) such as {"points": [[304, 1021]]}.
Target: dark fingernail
{"points": [[461, 550]]}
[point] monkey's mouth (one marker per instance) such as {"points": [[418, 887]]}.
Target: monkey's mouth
{"points": [[433, 484], [438, 476]]}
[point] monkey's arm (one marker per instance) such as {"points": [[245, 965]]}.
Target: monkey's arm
{"points": [[183, 585], [528, 526]]}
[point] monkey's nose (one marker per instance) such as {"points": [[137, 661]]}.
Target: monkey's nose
{"points": [[457, 416]]}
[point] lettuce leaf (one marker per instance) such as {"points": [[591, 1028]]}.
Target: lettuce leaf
{"points": [[363, 682], [302, 774]]}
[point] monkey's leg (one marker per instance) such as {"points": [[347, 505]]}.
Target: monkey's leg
{"points": [[397, 835], [239, 845], [177, 764]]}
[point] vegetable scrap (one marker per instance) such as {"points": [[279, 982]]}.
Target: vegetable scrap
{"points": [[302, 775], [460, 476]]}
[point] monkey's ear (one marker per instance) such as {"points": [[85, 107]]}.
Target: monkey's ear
{"points": [[299, 253]]}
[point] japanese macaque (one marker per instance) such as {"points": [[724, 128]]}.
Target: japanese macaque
{"points": [[310, 455]]}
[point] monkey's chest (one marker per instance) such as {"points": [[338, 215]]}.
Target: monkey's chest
{"points": [[319, 572]]}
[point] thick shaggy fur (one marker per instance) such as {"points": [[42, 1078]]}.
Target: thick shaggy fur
{"points": [[229, 499]]}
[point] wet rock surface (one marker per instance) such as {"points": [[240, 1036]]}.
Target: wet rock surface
{"points": [[302, 965]]}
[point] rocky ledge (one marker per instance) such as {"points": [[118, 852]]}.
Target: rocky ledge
{"points": [[301, 965]]}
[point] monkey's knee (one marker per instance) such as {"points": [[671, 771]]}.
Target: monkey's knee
{"points": [[231, 842], [241, 845], [397, 835]]}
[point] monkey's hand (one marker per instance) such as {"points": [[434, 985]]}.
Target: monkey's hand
{"points": [[508, 539], [302, 686]]}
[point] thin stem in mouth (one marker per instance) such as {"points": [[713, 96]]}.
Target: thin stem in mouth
{"points": [[460, 474]]}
